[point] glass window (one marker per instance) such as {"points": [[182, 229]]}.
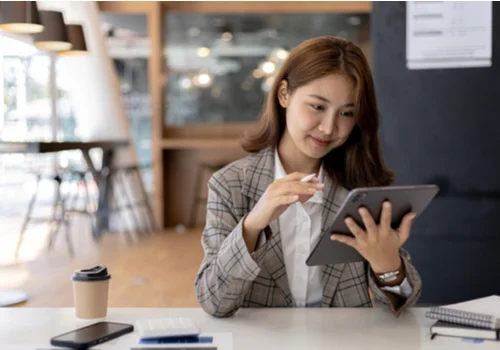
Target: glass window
{"points": [[25, 115], [128, 45], [26, 110], [220, 67]]}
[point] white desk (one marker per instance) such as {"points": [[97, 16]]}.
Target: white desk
{"points": [[253, 328]]}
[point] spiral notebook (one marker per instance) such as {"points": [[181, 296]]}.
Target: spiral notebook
{"points": [[481, 313]]}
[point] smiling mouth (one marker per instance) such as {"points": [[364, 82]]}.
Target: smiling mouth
{"points": [[321, 142]]}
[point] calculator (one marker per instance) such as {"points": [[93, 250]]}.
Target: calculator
{"points": [[167, 327]]}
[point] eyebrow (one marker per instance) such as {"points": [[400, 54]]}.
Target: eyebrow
{"points": [[328, 101]]}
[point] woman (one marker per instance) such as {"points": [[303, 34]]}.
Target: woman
{"points": [[320, 117]]}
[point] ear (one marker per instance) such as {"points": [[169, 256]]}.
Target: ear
{"points": [[283, 94]]}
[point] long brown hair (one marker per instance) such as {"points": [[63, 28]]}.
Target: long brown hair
{"points": [[358, 162]]}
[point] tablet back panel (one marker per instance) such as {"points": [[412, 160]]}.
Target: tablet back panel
{"points": [[403, 199]]}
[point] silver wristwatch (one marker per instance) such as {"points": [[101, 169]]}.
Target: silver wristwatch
{"points": [[389, 276]]}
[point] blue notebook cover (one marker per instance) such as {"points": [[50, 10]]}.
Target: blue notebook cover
{"points": [[178, 340]]}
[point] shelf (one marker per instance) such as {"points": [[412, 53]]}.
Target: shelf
{"points": [[200, 143], [267, 6]]}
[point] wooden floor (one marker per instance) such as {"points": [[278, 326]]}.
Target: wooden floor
{"points": [[156, 271]]}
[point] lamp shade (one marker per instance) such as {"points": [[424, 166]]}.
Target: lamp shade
{"points": [[76, 37], [54, 37], [20, 17]]}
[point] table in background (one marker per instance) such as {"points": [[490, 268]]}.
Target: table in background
{"points": [[108, 148], [262, 328]]}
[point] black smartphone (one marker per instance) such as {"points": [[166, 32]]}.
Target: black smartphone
{"points": [[83, 338]]}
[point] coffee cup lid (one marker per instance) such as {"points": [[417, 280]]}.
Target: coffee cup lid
{"points": [[96, 273]]}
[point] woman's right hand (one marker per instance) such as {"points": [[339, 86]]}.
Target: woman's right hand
{"points": [[277, 198]]}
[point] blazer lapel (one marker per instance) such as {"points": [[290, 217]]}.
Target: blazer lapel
{"points": [[258, 176], [333, 196]]}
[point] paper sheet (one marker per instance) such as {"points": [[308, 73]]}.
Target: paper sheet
{"points": [[448, 34]]}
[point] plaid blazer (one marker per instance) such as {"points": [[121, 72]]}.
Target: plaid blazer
{"points": [[230, 277]]}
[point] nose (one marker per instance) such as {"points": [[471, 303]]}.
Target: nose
{"points": [[328, 125]]}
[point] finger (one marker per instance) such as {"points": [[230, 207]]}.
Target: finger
{"points": [[370, 224], [386, 216], [286, 200], [405, 227], [354, 227], [295, 176], [315, 180], [350, 241], [300, 188]]}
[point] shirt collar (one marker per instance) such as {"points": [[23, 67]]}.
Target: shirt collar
{"points": [[279, 172]]}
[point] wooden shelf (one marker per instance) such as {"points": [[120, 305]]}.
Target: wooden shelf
{"points": [[200, 143], [267, 6]]}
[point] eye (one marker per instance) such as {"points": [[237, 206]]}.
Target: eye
{"points": [[318, 107], [347, 114]]}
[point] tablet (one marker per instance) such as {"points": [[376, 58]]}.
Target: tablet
{"points": [[403, 199]]}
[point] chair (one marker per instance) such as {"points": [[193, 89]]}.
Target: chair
{"points": [[203, 168], [121, 199], [79, 179], [63, 206]]}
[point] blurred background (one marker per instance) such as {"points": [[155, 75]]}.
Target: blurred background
{"points": [[105, 153]]}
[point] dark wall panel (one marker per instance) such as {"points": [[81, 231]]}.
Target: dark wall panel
{"points": [[443, 126]]}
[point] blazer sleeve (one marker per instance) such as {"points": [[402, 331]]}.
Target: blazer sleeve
{"points": [[228, 269], [382, 297]]}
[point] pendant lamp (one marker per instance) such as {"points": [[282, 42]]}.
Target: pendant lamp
{"points": [[20, 17], [54, 37], [76, 37]]}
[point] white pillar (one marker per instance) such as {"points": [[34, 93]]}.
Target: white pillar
{"points": [[95, 94]]}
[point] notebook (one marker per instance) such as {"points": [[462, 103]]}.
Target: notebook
{"points": [[481, 313], [461, 331]]}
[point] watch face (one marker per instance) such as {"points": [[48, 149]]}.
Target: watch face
{"points": [[389, 276], [389, 279]]}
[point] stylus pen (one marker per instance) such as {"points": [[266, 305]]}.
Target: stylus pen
{"points": [[307, 178]]}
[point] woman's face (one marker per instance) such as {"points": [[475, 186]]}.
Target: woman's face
{"points": [[319, 115]]}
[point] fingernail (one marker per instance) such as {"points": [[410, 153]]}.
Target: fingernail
{"points": [[320, 186], [332, 237], [386, 204], [311, 190], [412, 216]]}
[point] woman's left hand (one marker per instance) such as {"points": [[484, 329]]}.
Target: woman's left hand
{"points": [[378, 244]]}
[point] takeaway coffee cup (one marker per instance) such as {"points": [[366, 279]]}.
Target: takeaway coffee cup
{"points": [[90, 292]]}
